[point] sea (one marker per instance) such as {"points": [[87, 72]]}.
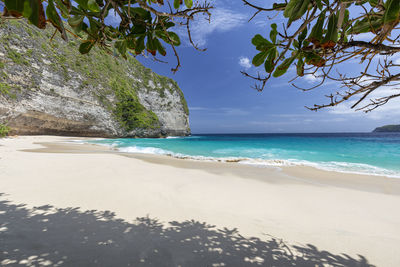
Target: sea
{"points": [[362, 153]]}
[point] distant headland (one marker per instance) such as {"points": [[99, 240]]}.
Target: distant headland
{"points": [[387, 128]]}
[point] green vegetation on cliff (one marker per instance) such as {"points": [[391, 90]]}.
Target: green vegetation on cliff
{"points": [[128, 110], [388, 128], [114, 81], [4, 129]]}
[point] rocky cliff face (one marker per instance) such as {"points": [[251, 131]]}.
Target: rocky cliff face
{"points": [[47, 87]]}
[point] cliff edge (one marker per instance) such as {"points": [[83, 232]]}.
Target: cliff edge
{"points": [[47, 87], [387, 129]]}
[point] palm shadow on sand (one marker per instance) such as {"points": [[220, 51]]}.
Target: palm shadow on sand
{"points": [[70, 237]]}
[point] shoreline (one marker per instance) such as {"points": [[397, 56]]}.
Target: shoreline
{"points": [[308, 174], [268, 163], [307, 208]]}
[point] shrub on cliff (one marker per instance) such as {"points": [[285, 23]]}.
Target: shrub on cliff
{"points": [[4, 130], [128, 110]]}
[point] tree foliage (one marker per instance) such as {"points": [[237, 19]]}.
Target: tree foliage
{"points": [[319, 35], [145, 26], [4, 130]]}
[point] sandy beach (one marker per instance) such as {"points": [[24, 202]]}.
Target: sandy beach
{"points": [[66, 204]]}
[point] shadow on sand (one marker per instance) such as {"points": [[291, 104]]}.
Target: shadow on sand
{"points": [[48, 236]]}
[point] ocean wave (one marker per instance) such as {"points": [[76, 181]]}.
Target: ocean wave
{"points": [[144, 150], [344, 167], [83, 141]]}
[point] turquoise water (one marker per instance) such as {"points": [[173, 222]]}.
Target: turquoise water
{"points": [[367, 153]]}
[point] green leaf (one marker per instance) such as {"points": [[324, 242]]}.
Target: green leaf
{"points": [[346, 18], [85, 47], [142, 13], [75, 21], [139, 45], [299, 10], [317, 30], [259, 58], [30, 9], [289, 8], [296, 44], [121, 46], [279, 71], [150, 44], [177, 3], [314, 59], [269, 63], [261, 43], [159, 47], [130, 42], [55, 19], [302, 36], [273, 33], [83, 3], [332, 33], [319, 4], [258, 39], [94, 27], [139, 29], [17, 6], [362, 26], [300, 67], [169, 24], [80, 27], [64, 10], [176, 41], [279, 5], [189, 3], [93, 6], [392, 11]]}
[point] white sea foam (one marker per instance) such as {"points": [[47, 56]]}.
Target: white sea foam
{"points": [[144, 150], [345, 167], [81, 142]]}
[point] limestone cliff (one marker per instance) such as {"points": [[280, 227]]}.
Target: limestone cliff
{"points": [[47, 87]]}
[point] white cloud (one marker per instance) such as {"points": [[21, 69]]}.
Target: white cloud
{"points": [[226, 111], [234, 111], [310, 78], [367, 36], [316, 77], [245, 62], [197, 108], [222, 20], [262, 23]]}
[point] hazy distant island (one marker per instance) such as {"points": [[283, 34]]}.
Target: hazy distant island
{"points": [[387, 128]]}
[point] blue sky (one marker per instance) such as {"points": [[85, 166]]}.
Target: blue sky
{"points": [[221, 99]]}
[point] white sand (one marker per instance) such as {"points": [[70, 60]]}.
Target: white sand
{"points": [[299, 205]]}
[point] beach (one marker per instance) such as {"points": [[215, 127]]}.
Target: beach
{"points": [[107, 208]]}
